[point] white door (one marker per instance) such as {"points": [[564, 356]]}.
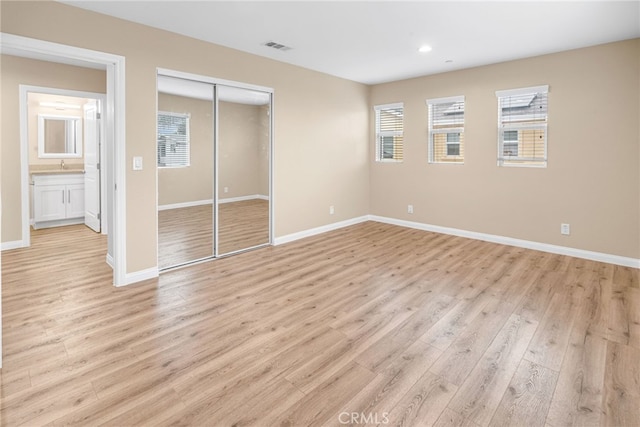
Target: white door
{"points": [[91, 166]]}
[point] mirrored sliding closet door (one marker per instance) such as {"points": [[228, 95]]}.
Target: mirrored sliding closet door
{"points": [[214, 169], [244, 134]]}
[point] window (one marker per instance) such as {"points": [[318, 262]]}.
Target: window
{"points": [[173, 140], [389, 132], [446, 130], [510, 143], [453, 144], [522, 127]]}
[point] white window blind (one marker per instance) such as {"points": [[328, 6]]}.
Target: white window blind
{"points": [[173, 139], [522, 126], [389, 132], [446, 130]]}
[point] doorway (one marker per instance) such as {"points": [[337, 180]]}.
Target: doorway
{"points": [[214, 164], [114, 138], [64, 135]]}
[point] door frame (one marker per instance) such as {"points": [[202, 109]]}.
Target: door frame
{"points": [[240, 85], [114, 133], [24, 151]]}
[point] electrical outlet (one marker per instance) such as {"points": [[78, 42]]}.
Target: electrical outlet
{"points": [[331, 210], [226, 189], [410, 209], [565, 229]]}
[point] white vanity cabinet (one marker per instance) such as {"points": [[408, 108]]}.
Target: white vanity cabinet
{"points": [[58, 199]]}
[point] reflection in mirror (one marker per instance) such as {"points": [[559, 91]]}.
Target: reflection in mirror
{"points": [[244, 127], [185, 177], [59, 136], [214, 168]]}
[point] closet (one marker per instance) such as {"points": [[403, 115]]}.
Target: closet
{"points": [[214, 150]]}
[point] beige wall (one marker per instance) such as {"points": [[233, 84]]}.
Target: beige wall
{"points": [[192, 183], [243, 150], [321, 133], [13, 72], [593, 176]]}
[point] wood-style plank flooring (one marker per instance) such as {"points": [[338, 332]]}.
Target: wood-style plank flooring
{"points": [[186, 234], [368, 324]]}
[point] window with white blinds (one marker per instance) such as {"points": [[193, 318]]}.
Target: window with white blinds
{"points": [[173, 140], [446, 129], [522, 126], [389, 132]]}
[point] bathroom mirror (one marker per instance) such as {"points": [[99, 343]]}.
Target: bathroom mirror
{"points": [[59, 137]]}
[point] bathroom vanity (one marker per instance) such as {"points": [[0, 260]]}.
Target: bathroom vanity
{"points": [[58, 198]]}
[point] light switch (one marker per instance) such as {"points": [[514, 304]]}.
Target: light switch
{"points": [[137, 163]]}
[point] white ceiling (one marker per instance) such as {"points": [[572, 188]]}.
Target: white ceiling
{"points": [[374, 42]]}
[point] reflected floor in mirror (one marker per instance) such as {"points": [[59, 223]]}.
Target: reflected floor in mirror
{"points": [[186, 234]]}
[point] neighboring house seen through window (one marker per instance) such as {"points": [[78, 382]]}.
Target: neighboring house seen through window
{"points": [[446, 130], [453, 144], [389, 132], [510, 143]]}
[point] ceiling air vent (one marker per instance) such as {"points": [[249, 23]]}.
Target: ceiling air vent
{"points": [[277, 46]]}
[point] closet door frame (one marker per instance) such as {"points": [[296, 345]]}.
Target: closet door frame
{"points": [[215, 82]]}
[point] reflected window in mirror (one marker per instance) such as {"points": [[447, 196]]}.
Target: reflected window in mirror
{"points": [[173, 140], [59, 136]]}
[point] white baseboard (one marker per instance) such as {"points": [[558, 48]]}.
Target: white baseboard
{"points": [[527, 244], [210, 202], [110, 261], [243, 198], [185, 204], [318, 230], [16, 244], [139, 276]]}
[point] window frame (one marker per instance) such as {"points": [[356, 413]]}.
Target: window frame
{"points": [[187, 117], [455, 159], [506, 126], [381, 135]]}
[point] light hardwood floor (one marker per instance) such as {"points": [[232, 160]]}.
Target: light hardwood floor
{"points": [[186, 234], [370, 323]]}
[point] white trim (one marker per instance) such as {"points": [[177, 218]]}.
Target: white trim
{"points": [[522, 91], [243, 198], [319, 230], [57, 223], [185, 204], [388, 106], [139, 276], [510, 241], [271, 195], [445, 100], [24, 163], [109, 260], [115, 131], [16, 244], [206, 79]]}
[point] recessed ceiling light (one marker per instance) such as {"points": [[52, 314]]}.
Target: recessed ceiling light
{"points": [[424, 48]]}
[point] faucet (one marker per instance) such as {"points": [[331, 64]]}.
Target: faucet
{"points": [[62, 164]]}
